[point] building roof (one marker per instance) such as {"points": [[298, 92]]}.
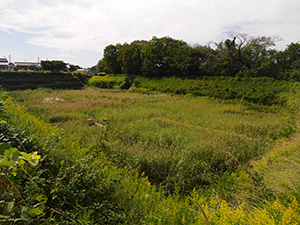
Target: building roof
{"points": [[27, 64], [3, 60]]}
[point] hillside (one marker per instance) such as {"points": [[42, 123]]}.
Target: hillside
{"points": [[32, 80]]}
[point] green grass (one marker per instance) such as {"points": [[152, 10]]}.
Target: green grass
{"points": [[178, 142]]}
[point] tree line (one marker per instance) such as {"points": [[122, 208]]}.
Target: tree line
{"points": [[54, 66], [239, 55]]}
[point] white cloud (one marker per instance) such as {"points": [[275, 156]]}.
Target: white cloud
{"points": [[76, 26]]}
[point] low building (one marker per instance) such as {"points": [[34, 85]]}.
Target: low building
{"points": [[3, 64], [26, 65]]}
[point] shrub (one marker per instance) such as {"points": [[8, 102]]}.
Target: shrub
{"points": [[109, 81]]}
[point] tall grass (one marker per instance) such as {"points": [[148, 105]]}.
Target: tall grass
{"points": [[178, 142]]}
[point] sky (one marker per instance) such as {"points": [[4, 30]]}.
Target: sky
{"points": [[77, 31]]}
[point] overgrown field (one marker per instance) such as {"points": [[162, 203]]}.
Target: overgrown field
{"points": [[180, 143], [199, 151]]}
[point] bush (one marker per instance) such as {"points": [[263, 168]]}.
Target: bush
{"points": [[110, 81]]}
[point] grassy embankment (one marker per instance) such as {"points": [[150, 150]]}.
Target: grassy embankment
{"points": [[23, 80], [263, 91]]}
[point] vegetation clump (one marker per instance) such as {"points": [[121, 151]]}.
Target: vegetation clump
{"points": [[109, 81]]}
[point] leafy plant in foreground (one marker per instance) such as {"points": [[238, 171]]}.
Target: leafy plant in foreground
{"points": [[14, 166]]}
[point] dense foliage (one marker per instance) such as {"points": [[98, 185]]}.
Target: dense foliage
{"points": [[239, 55], [54, 66]]}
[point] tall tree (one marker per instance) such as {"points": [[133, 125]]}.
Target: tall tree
{"points": [[208, 64], [288, 62], [260, 56], [165, 57], [130, 57], [246, 55], [292, 56], [111, 54], [54, 66], [101, 66]]}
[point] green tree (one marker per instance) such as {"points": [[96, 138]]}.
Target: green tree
{"points": [[230, 57], [101, 67], [130, 57], [73, 68], [208, 64], [291, 56], [187, 61], [288, 62], [246, 56], [34, 68], [54, 66], [47, 65], [259, 56], [110, 59], [167, 57]]}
